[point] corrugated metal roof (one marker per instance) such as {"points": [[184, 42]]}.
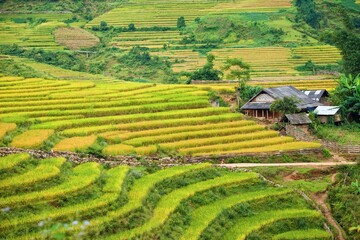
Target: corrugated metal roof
{"points": [[315, 94], [298, 119], [326, 110], [279, 93]]}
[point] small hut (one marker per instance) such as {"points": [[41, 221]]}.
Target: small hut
{"points": [[328, 114], [297, 125]]}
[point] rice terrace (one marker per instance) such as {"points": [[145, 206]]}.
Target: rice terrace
{"points": [[180, 119]]}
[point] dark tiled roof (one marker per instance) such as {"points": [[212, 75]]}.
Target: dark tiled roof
{"points": [[279, 93], [316, 94], [298, 119]]}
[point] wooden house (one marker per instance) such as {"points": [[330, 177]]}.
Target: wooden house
{"points": [[259, 105]]}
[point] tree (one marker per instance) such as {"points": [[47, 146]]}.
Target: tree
{"points": [[348, 41], [131, 27], [285, 105], [246, 92], [103, 26], [349, 44], [207, 72], [347, 95], [238, 69], [181, 22], [307, 11]]}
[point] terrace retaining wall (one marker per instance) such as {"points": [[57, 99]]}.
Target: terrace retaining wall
{"points": [[139, 160]]}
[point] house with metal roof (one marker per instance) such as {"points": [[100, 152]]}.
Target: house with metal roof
{"points": [[328, 114], [259, 105], [317, 95]]}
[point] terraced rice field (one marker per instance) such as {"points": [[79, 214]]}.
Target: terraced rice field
{"points": [[322, 55], [267, 61], [165, 13], [53, 72], [15, 29], [264, 61], [183, 60], [132, 118], [303, 84], [52, 197], [150, 39]]}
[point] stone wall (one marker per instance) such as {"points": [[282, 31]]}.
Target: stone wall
{"points": [[299, 133], [139, 160]]}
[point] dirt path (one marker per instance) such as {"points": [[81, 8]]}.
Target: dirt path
{"points": [[320, 199], [298, 164]]}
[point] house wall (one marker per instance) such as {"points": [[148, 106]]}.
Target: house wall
{"points": [[324, 100], [325, 119], [263, 113]]}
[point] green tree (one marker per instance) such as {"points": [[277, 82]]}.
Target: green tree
{"points": [[246, 92], [181, 22], [237, 69], [349, 44], [347, 95], [285, 105], [207, 72], [103, 26], [131, 27], [306, 10]]}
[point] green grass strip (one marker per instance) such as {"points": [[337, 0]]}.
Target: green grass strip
{"points": [[171, 201], [81, 177], [47, 168], [247, 225], [203, 216], [111, 190], [303, 234], [12, 160]]}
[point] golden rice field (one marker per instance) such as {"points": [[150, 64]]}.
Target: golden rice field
{"points": [[41, 199], [128, 118]]}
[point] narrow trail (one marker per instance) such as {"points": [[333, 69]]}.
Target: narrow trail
{"points": [[298, 164], [320, 199]]}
